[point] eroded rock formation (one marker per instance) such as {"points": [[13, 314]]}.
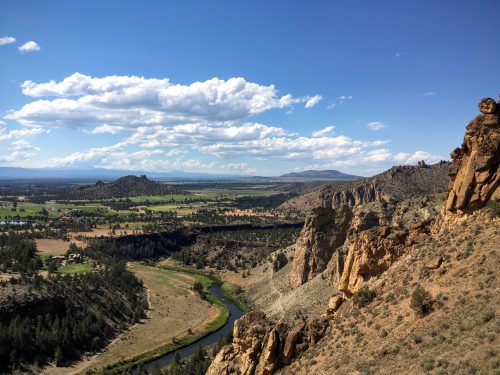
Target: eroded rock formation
{"points": [[325, 229], [373, 251], [260, 347], [474, 176]]}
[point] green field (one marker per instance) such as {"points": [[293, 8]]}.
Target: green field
{"points": [[25, 209], [69, 269], [175, 197], [233, 193], [162, 276], [183, 204], [75, 268]]}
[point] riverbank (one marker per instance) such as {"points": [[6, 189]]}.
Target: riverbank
{"points": [[216, 323], [231, 291]]}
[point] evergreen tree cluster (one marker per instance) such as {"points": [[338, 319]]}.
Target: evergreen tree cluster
{"points": [[63, 316], [18, 254], [268, 202]]}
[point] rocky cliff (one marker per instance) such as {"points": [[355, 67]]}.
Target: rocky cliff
{"points": [[325, 229], [261, 347], [474, 176], [474, 180], [328, 234], [373, 251], [397, 183]]}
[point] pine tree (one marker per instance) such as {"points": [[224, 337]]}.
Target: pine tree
{"points": [[58, 357]]}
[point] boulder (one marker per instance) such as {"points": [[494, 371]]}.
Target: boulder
{"points": [[279, 261], [334, 304]]}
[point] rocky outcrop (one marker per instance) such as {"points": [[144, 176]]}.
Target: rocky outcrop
{"points": [[325, 229], [334, 304], [260, 347], [474, 175], [373, 251]]}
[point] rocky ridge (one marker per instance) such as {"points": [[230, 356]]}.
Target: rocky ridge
{"points": [[385, 258], [397, 183], [328, 234]]}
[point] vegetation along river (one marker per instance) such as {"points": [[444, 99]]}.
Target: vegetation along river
{"points": [[235, 313]]}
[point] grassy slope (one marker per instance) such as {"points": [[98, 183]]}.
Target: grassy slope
{"points": [[459, 336]]}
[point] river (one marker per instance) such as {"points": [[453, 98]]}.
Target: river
{"points": [[212, 338]]}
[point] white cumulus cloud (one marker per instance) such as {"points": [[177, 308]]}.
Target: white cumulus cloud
{"points": [[82, 101], [202, 126], [30, 46], [376, 125], [7, 40], [329, 130], [311, 102]]}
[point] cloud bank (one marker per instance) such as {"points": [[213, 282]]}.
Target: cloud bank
{"points": [[201, 126]]}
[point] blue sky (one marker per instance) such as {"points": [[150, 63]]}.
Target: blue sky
{"points": [[261, 87]]}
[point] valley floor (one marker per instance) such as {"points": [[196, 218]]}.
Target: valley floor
{"points": [[174, 310]]}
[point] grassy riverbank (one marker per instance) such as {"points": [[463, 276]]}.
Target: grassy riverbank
{"points": [[231, 291], [178, 342]]}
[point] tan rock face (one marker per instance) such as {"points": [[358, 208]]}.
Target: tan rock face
{"points": [[474, 175], [357, 195], [373, 251], [260, 348], [325, 229]]}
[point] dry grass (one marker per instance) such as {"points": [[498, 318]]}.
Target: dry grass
{"points": [[52, 247]]}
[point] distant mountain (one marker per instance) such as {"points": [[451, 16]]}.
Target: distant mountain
{"points": [[330, 174], [94, 174], [398, 183], [128, 186]]}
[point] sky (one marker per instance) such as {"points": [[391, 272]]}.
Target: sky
{"points": [[242, 87]]}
